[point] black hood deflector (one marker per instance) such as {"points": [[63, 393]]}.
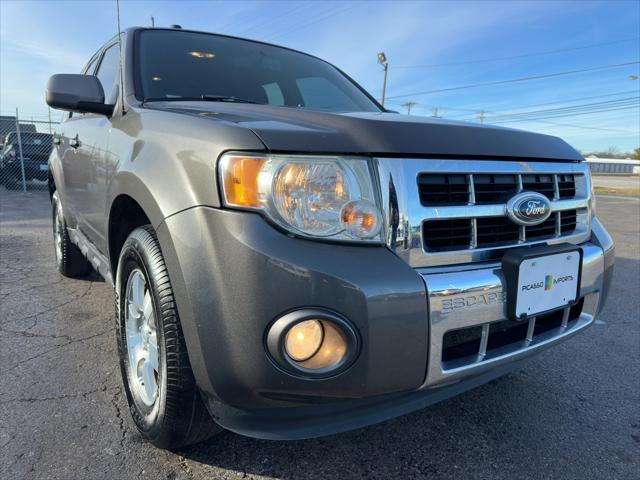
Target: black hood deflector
{"points": [[283, 129]]}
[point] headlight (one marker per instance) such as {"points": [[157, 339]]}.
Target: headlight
{"points": [[324, 197]]}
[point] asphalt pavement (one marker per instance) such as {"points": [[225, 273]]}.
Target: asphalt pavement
{"points": [[571, 412]]}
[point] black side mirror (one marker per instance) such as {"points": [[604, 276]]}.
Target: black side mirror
{"points": [[77, 93]]}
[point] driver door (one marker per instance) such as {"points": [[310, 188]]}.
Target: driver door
{"points": [[89, 158]]}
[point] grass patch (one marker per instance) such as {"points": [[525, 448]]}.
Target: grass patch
{"points": [[617, 191]]}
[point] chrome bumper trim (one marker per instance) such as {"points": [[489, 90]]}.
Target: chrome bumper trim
{"points": [[466, 298]]}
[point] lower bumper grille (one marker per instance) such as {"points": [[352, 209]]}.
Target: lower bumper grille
{"points": [[464, 346], [470, 331]]}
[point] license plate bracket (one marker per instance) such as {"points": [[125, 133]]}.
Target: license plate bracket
{"points": [[541, 279]]}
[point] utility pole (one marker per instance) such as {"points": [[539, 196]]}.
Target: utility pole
{"points": [[382, 60], [481, 116], [409, 106], [434, 112], [153, 21], [24, 181]]}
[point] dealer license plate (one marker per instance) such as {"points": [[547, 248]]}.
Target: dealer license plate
{"points": [[547, 283]]}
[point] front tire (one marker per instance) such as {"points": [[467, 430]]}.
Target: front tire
{"points": [[161, 391], [69, 259]]}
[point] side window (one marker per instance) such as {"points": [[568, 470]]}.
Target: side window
{"points": [[88, 70], [319, 93], [108, 73]]}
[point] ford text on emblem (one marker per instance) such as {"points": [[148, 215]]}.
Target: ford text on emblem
{"points": [[528, 208]]}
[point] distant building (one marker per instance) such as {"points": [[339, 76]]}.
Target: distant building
{"points": [[613, 165]]}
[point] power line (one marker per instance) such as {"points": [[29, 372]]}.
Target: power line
{"points": [[502, 113], [233, 23], [274, 18], [616, 109], [584, 109], [556, 102], [626, 92], [573, 108], [564, 111], [316, 20], [585, 127], [526, 55], [515, 80]]}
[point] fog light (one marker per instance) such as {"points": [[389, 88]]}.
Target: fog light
{"points": [[330, 352], [304, 340], [312, 343]]}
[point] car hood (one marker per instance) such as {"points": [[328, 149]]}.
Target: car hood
{"points": [[284, 129]]}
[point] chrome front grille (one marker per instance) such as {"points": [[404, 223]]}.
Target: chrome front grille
{"points": [[444, 212], [487, 189], [443, 235]]}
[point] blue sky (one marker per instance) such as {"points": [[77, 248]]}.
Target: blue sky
{"points": [[430, 46]]}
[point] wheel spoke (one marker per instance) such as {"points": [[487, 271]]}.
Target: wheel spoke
{"points": [[147, 310], [149, 378], [137, 291], [134, 348], [153, 352], [134, 313], [134, 342]]}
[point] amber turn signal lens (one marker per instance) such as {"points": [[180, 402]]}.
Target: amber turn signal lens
{"points": [[360, 219], [241, 177]]}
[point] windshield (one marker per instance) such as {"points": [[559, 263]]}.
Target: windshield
{"points": [[178, 65]]}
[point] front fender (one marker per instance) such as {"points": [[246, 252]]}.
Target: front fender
{"points": [[168, 160], [129, 184]]}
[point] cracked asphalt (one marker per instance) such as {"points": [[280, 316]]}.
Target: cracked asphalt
{"points": [[572, 412]]}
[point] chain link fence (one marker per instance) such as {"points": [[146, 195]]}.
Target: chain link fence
{"points": [[25, 146]]}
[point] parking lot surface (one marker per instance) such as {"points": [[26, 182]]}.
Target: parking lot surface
{"points": [[572, 412]]}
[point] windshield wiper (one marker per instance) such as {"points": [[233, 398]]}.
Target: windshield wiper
{"points": [[201, 98], [223, 98]]}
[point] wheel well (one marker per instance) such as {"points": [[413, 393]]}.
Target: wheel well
{"points": [[125, 216]]}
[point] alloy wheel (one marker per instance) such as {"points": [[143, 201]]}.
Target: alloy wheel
{"points": [[142, 340]]}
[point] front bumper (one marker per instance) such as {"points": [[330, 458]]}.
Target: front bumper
{"points": [[233, 274]]}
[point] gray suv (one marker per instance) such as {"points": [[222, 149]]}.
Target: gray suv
{"points": [[290, 259]]}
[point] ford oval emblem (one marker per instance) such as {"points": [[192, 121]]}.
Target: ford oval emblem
{"points": [[528, 208]]}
